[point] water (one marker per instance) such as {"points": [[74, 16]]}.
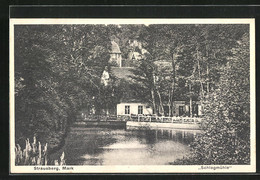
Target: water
{"points": [[104, 146]]}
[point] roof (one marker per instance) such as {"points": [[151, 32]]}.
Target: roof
{"points": [[115, 48], [131, 100], [122, 72]]}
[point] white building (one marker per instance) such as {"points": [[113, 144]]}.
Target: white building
{"points": [[127, 108]]}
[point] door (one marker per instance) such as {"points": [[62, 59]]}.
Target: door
{"points": [[181, 110]]}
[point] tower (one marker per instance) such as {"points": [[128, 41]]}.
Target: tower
{"points": [[115, 54]]}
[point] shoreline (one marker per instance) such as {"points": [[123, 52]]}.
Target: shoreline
{"points": [[163, 125]]}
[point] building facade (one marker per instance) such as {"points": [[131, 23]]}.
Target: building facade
{"points": [[128, 108]]}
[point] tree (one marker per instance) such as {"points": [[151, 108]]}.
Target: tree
{"points": [[226, 136], [144, 82], [57, 71]]}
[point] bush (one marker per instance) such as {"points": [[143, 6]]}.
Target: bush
{"points": [[226, 136], [35, 154]]}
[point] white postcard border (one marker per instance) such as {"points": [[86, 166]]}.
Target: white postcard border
{"points": [[126, 168]]}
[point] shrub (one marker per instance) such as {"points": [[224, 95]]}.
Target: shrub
{"points": [[226, 136], [34, 154]]}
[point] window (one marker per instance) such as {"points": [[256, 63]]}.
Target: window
{"points": [[127, 109], [113, 56], [140, 109]]}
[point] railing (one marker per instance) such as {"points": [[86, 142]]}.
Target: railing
{"points": [[142, 118], [160, 119], [97, 118]]}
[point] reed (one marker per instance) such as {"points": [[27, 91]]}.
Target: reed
{"points": [[35, 154]]}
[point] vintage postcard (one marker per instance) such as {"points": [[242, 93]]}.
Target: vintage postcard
{"points": [[132, 95]]}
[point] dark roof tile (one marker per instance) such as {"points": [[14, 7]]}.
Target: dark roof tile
{"points": [[122, 72]]}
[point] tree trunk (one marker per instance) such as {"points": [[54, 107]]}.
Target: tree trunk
{"points": [[170, 110], [207, 77], [153, 99], [171, 94], [191, 114], [170, 104], [201, 83], [153, 92], [207, 56], [161, 104]]}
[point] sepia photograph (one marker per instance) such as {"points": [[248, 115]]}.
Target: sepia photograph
{"points": [[132, 95]]}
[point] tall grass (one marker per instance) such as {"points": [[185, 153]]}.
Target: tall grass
{"points": [[35, 154]]}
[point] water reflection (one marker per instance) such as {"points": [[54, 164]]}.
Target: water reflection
{"points": [[104, 146]]}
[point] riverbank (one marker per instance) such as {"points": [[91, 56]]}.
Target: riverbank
{"points": [[56, 141], [115, 124], [163, 125]]}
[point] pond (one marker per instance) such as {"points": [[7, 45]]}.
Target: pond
{"points": [[130, 146]]}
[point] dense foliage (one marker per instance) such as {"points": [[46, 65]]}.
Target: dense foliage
{"points": [[226, 136], [183, 62], [57, 71]]}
